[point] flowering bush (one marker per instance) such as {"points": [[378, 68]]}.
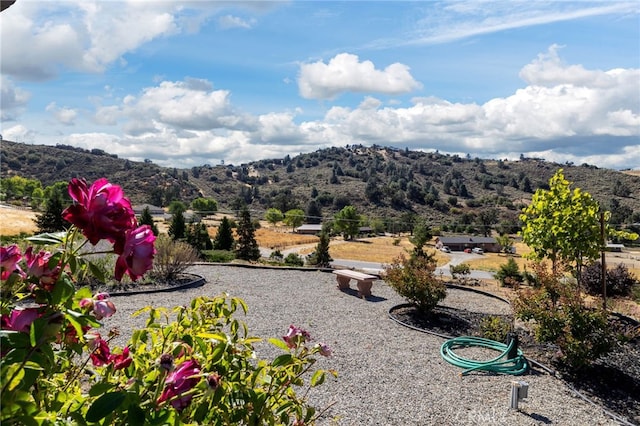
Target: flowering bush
{"points": [[192, 365]]}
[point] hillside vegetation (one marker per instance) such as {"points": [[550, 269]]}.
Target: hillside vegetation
{"points": [[386, 184]]}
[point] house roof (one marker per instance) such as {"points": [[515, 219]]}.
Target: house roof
{"points": [[467, 240], [309, 227], [152, 209]]}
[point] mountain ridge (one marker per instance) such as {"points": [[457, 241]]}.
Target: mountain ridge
{"points": [[381, 182]]}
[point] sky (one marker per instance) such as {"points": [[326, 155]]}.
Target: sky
{"points": [[188, 83]]}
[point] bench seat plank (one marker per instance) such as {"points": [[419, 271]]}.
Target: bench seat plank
{"points": [[365, 281]]}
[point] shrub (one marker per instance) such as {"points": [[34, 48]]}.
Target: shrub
{"points": [[218, 256], [277, 256], [561, 317], [495, 328], [461, 269], [619, 280], [509, 274], [172, 258], [293, 259], [413, 278]]}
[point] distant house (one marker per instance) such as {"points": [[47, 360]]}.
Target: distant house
{"points": [[155, 211], [309, 229], [460, 243], [615, 247], [365, 230], [314, 229]]}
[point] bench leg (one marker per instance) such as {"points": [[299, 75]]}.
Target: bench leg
{"points": [[364, 288], [343, 282]]}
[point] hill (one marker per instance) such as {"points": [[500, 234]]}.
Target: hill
{"points": [[385, 184]]}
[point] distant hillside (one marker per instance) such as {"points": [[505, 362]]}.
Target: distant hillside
{"points": [[383, 183]]}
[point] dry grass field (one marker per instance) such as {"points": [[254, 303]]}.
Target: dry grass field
{"points": [[382, 249], [14, 221]]}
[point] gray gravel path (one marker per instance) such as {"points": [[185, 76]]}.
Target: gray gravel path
{"points": [[388, 374]]}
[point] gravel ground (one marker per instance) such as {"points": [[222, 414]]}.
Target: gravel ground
{"points": [[388, 374]]}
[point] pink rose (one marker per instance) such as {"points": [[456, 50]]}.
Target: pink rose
{"points": [[323, 349], [86, 303], [103, 308], [9, 258], [136, 255], [100, 304], [184, 378], [38, 265], [101, 211], [121, 361], [295, 336], [101, 352], [20, 319]]}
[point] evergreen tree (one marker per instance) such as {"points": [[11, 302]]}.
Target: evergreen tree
{"points": [[198, 237], [51, 220], [247, 245], [147, 219], [224, 237], [178, 227], [321, 257], [314, 213]]}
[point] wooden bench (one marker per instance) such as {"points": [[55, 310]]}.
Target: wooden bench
{"points": [[365, 281]]}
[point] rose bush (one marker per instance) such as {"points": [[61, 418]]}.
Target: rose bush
{"points": [[191, 365]]}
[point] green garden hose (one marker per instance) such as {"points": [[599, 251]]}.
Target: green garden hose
{"points": [[500, 364]]}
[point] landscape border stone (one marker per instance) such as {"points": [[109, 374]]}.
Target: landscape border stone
{"points": [[197, 281]]}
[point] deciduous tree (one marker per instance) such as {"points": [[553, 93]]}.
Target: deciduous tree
{"points": [[273, 216], [347, 221], [294, 218], [562, 225]]}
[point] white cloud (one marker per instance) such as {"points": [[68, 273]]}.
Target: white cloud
{"points": [[345, 73], [91, 36], [561, 116], [189, 105], [66, 116], [230, 21], [13, 100], [445, 22], [549, 70], [19, 133]]}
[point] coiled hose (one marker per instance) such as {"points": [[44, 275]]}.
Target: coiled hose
{"points": [[500, 364]]}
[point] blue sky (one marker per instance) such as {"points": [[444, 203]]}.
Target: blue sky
{"points": [[186, 83]]}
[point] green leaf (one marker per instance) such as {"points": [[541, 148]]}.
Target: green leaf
{"points": [[100, 388], [48, 238], [62, 291], [83, 293], [281, 360], [317, 378], [279, 343], [15, 381], [104, 406], [218, 353], [97, 271], [135, 415], [221, 337]]}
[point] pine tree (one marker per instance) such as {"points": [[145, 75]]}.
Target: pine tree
{"points": [[247, 244], [147, 219], [198, 237], [321, 257], [314, 213], [51, 220], [178, 227], [224, 238]]}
